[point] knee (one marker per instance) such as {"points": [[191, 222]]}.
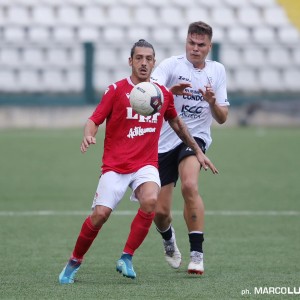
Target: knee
{"points": [[100, 215], [189, 188], [148, 205], [163, 215], [162, 210]]}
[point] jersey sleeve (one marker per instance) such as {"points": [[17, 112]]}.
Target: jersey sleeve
{"points": [[104, 107], [221, 89], [171, 112], [161, 73]]}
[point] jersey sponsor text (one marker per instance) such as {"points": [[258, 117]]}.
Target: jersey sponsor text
{"points": [[139, 131], [132, 115]]}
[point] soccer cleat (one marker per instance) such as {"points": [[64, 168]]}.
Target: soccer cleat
{"points": [[196, 264], [172, 253], [68, 273], [124, 266]]}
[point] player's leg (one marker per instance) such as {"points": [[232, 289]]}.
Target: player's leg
{"points": [[189, 169], [163, 222], [106, 199], [163, 215], [168, 173], [89, 230], [145, 185], [87, 235], [147, 195]]}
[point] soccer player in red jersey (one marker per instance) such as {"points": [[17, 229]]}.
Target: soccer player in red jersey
{"points": [[130, 159]]}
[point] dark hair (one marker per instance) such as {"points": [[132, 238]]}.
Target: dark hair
{"points": [[200, 28], [141, 43]]}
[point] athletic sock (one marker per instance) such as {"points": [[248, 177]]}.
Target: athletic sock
{"points": [[85, 239], [138, 231], [196, 240], [126, 255], [167, 234]]}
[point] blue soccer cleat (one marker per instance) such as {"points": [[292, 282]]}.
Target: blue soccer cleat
{"points": [[124, 266], [68, 273]]}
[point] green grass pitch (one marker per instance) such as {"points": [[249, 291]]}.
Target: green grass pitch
{"points": [[252, 236]]}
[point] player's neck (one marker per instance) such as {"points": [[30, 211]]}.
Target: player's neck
{"points": [[199, 65], [135, 80]]}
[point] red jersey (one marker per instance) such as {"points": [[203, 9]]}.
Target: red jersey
{"points": [[131, 140]]}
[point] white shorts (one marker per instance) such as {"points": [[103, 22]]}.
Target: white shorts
{"points": [[112, 186]]}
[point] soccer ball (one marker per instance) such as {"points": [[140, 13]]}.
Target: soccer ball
{"points": [[146, 98]]}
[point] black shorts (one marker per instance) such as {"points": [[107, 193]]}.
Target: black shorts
{"points": [[169, 161]]}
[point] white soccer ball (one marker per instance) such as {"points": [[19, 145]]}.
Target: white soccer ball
{"points": [[146, 98]]}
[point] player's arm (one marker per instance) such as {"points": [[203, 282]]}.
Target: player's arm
{"points": [[90, 131], [179, 89], [182, 131], [218, 112], [101, 112]]}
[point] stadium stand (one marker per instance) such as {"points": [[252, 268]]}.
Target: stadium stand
{"points": [[245, 79], [292, 9], [296, 57], [291, 78], [240, 35], [135, 32], [63, 35], [197, 13], [145, 16], [249, 16], [43, 15], [41, 48], [288, 34], [18, 15], [8, 81], [94, 16]]}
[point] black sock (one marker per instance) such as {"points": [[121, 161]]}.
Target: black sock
{"points": [[166, 235], [196, 240]]}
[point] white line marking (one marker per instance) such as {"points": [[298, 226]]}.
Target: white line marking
{"points": [[263, 213]]}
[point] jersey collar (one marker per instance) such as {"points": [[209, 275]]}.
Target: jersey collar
{"points": [[129, 81], [187, 62]]}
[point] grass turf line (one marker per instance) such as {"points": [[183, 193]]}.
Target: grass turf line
{"points": [[44, 170]]}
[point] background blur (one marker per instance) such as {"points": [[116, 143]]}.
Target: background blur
{"points": [[57, 57]]}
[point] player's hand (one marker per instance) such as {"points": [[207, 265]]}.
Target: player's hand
{"points": [[206, 163], [208, 95], [179, 89], [86, 142]]}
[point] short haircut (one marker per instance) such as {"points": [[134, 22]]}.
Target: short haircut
{"points": [[141, 43], [200, 28]]}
